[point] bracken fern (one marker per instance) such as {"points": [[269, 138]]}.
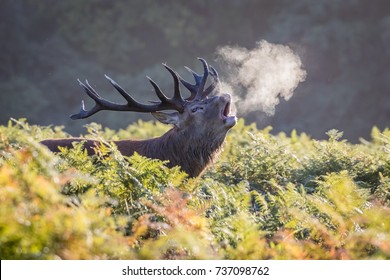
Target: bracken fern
{"points": [[267, 197]]}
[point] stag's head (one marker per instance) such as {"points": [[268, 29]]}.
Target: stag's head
{"points": [[205, 111]]}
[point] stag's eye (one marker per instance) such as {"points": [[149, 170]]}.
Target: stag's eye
{"points": [[195, 109]]}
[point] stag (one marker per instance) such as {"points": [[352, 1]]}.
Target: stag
{"points": [[200, 122]]}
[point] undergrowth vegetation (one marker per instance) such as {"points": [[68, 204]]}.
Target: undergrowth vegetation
{"points": [[266, 197]]}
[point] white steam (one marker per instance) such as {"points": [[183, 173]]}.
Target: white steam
{"points": [[257, 78]]}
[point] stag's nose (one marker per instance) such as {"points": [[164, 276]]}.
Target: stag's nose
{"points": [[226, 97]]}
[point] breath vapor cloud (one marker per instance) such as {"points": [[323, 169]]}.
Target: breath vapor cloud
{"points": [[258, 78]]}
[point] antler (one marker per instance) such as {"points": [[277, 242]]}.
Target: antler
{"points": [[197, 90], [175, 103]]}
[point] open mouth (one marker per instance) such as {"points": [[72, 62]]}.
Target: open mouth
{"points": [[229, 121], [226, 111]]}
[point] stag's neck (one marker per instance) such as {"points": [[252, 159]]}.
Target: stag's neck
{"points": [[178, 147]]}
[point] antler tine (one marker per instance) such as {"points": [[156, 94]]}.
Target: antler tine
{"points": [[89, 90], [169, 103], [190, 87], [91, 93], [200, 89], [177, 95], [158, 91], [214, 84], [125, 95], [197, 90]]}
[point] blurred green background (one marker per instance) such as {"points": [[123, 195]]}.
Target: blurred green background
{"points": [[46, 45]]}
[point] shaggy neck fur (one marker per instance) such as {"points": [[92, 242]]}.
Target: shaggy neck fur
{"points": [[180, 148]]}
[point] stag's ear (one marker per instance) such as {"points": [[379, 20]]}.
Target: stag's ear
{"points": [[167, 118]]}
